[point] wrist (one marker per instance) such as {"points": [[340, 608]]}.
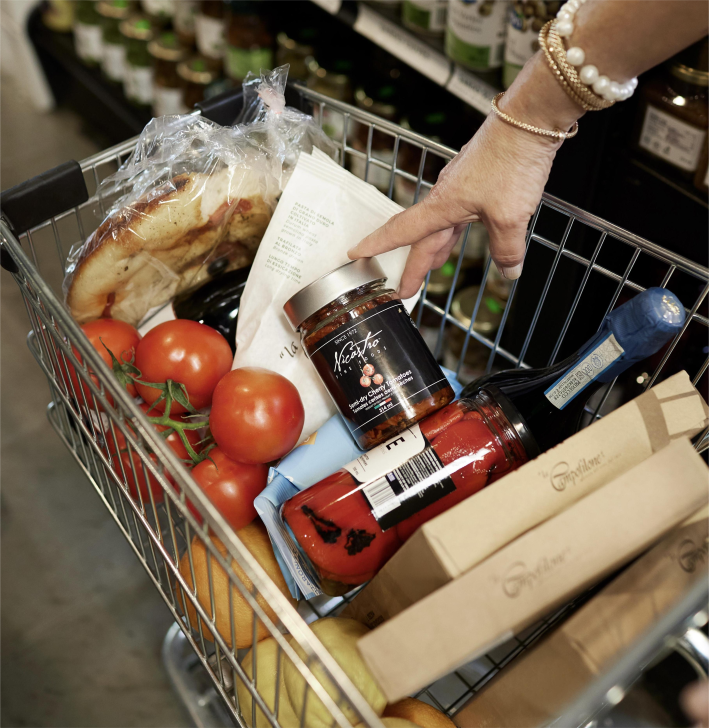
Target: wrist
{"points": [[537, 98]]}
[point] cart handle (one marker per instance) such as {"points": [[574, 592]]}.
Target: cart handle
{"points": [[40, 198]]}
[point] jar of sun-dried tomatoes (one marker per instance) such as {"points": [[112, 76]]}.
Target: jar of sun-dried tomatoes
{"points": [[351, 523], [367, 351]]}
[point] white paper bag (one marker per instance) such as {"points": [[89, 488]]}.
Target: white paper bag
{"points": [[323, 212]]}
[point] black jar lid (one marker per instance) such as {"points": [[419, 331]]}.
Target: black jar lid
{"points": [[331, 286]]}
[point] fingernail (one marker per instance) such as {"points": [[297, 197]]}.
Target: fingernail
{"points": [[512, 273]]}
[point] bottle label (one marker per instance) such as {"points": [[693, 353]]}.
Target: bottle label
{"points": [[159, 7], [377, 367], [139, 84], [114, 61], [428, 15], [239, 61], [671, 139], [169, 101], [384, 458], [89, 41], [210, 36], [185, 11], [476, 32], [575, 380], [408, 489]]}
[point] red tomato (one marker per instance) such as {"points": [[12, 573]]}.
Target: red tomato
{"points": [[257, 415], [187, 352], [173, 440], [121, 338], [231, 486]]}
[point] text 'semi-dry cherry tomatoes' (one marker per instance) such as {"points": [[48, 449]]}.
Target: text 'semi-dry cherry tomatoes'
{"points": [[257, 415], [186, 352], [231, 486]]}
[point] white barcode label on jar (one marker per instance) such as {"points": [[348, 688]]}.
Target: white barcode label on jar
{"points": [[382, 459], [114, 61], [210, 36], [409, 488], [671, 139], [169, 101], [139, 84], [574, 381], [88, 40]]}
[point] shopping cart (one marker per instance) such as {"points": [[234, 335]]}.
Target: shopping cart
{"points": [[47, 215]]}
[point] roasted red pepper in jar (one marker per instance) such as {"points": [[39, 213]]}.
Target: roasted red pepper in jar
{"points": [[352, 522]]}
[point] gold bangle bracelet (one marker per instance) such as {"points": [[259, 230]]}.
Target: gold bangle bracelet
{"points": [[555, 134], [566, 74]]}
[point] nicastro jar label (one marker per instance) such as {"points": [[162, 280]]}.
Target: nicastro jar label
{"points": [[376, 367]]}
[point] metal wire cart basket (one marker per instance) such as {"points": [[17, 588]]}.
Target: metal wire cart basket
{"points": [[578, 268]]}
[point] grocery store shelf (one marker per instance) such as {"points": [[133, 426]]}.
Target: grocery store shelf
{"points": [[102, 104], [423, 55], [683, 188]]}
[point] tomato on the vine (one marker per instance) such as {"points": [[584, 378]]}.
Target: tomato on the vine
{"points": [[231, 486], [118, 336], [118, 451], [257, 415], [185, 352]]}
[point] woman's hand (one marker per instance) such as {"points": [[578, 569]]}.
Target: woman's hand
{"points": [[497, 178]]}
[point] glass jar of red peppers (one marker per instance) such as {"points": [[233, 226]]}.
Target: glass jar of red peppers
{"points": [[352, 522], [368, 352]]}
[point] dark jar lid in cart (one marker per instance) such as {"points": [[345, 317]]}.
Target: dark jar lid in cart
{"points": [[368, 352]]}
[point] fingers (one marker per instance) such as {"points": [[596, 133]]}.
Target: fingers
{"points": [[695, 702], [507, 245], [431, 252], [405, 228]]}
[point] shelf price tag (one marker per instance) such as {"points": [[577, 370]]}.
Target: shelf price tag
{"points": [[471, 89], [402, 44], [331, 6]]}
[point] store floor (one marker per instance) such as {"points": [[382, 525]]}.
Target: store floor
{"points": [[82, 626]]}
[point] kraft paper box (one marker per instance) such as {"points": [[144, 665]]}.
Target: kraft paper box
{"points": [[540, 684], [537, 573], [457, 540]]}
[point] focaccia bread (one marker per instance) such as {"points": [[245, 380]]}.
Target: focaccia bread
{"points": [[169, 241]]}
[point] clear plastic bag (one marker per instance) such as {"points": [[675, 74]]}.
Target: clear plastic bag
{"points": [[193, 200]]}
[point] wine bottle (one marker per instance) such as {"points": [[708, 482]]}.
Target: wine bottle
{"points": [[545, 405], [215, 303]]}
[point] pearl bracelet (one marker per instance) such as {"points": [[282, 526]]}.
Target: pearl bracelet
{"points": [[589, 75]]}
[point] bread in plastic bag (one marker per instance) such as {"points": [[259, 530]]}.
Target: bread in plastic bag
{"points": [[192, 200]]}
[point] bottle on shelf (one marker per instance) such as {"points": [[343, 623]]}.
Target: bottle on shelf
{"points": [[672, 122], [138, 82], [379, 99], [297, 53], [197, 78], [249, 43], [475, 33], [88, 33], [335, 83], [58, 15], [427, 17], [183, 21], [210, 23], [701, 178], [113, 63], [545, 405], [525, 18], [168, 93]]}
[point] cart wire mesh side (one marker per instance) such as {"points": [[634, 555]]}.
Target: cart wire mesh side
{"points": [[199, 565]]}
